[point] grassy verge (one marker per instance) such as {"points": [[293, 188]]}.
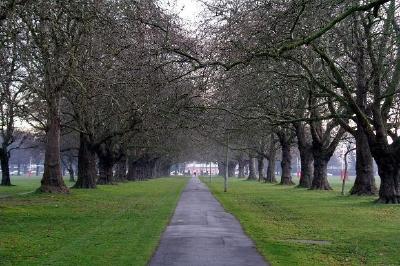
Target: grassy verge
{"points": [[284, 221], [111, 225]]}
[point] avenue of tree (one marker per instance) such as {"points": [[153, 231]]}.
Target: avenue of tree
{"points": [[124, 90]]}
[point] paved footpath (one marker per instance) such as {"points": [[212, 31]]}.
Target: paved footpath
{"points": [[202, 233]]}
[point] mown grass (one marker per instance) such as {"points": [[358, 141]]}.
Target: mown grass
{"points": [[359, 231], [110, 225]]}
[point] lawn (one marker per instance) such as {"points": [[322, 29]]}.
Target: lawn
{"points": [[110, 225], [23, 185], [285, 221]]}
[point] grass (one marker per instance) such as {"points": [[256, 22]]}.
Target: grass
{"points": [[110, 225], [358, 231]]}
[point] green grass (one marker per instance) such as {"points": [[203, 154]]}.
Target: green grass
{"points": [[359, 231], [24, 184], [110, 225]]}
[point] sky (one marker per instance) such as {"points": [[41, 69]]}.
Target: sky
{"points": [[188, 9]]}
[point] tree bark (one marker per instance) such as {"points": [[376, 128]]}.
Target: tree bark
{"points": [[231, 168], [252, 169], [320, 180], [86, 164], [365, 181], [286, 164], [106, 176], [260, 168], [52, 180], [389, 171], [5, 168], [306, 156], [271, 178], [120, 171], [242, 164], [306, 161]]}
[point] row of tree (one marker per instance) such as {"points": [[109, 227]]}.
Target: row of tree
{"points": [[93, 81], [124, 81], [309, 73]]}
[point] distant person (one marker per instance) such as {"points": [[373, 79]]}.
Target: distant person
{"points": [[194, 174]]}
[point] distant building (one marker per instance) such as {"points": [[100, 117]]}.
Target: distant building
{"points": [[201, 168]]}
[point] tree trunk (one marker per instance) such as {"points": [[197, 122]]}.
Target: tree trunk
{"points": [[271, 170], [120, 171], [86, 164], [105, 171], [231, 168], [365, 181], [132, 169], [71, 173], [320, 180], [306, 172], [252, 169], [260, 168], [242, 164], [52, 180], [221, 168], [5, 168], [389, 172], [286, 164]]}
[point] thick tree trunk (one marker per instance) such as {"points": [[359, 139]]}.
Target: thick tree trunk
{"points": [[105, 171], [260, 168], [5, 168], [320, 180], [242, 164], [252, 169], [120, 170], [86, 164], [286, 164], [271, 178], [52, 180], [389, 172], [365, 181], [306, 161]]}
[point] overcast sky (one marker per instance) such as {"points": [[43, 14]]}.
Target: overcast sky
{"points": [[188, 9]]}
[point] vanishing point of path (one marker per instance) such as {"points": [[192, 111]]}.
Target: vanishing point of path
{"points": [[202, 233]]}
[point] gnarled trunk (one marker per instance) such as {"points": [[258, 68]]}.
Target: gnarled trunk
{"points": [[252, 169], [389, 171], [52, 180], [320, 180], [86, 164], [5, 168], [306, 156], [306, 161], [286, 164], [365, 181], [260, 168]]}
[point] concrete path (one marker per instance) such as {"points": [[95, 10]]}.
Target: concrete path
{"points": [[202, 233]]}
